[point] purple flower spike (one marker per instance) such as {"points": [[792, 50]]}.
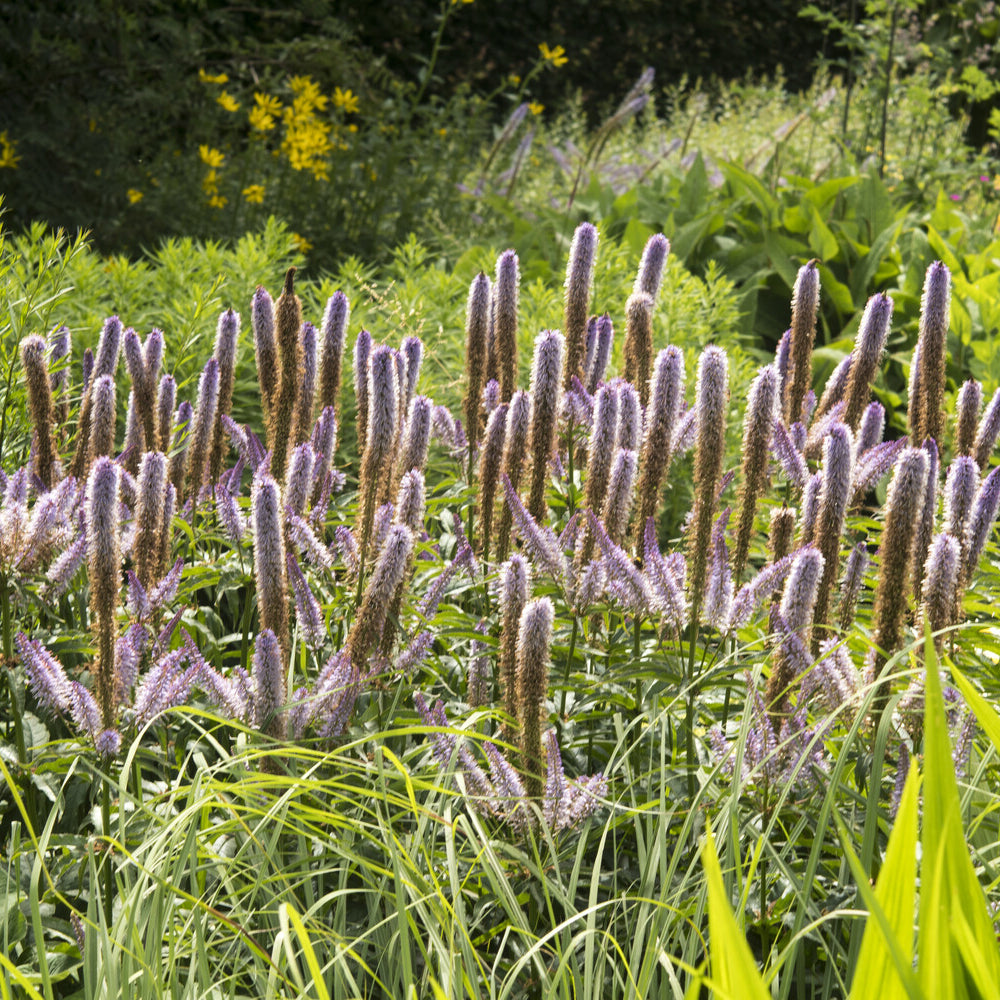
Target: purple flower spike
{"points": [[307, 609], [984, 512]]}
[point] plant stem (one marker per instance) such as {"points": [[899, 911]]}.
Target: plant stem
{"points": [[569, 661], [885, 96], [107, 876]]}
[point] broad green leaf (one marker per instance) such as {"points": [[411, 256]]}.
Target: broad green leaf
{"points": [[733, 967], [950, 885], [885, 962], [985, 714]]}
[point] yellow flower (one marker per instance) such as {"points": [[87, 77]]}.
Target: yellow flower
{"points": [[218, 201], [228, 101], [8, 152], [352, 127], [211, 157], [92, 124], [261, 120], [345, 100], [556, 56], [442, 132], [134, 195], [514, 79], [301, 243], [454, 2], [268, 103], [535, 108], [208, 78], [254, 194], [307, 93]]}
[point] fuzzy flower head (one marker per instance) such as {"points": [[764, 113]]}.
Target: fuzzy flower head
{"points": [[579, 278], [654, 259]]}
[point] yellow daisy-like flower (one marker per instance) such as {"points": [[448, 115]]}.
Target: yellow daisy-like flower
{"points": [[211, 157], [261, 120], [556, 56], [345, 100], [8, 152], [134, 195], [254, 194], [307, 92], [442, 132], [268, 103], [218, 201], [301, 243], [228, 101], [208, 78], [535, 108], [352, 127]]}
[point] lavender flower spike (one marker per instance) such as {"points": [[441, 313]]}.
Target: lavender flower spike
{"points": [[719, 588], [227, 337], [934, 312], [604, 334], [476, 329], [265, 349], [984, 512], [333, 331], [987, 432], [654, 259], [711, 402], [204, 427], [515, 585], [967, 407], [269, 559], [960, 489], [362, 353], [269, 686], [505, 304], [546, 375], [534, 640], [579, 278], [104, 558], [805, 306], [854, 572], [941, 578], [36, 371], [868, 347]]}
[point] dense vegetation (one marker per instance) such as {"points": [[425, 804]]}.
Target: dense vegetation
{"points": [[545, 553]]}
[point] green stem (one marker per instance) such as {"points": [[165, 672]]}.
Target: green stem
{"points": [[107, 875], [432, 62], [569, 662], [636, 649]]}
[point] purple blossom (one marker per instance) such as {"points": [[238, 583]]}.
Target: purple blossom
{"points": [[307, 609], [789, 457]]}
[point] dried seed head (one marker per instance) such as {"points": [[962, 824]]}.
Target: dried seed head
{"points": [[639, 342], [805, 306], [654, 259], [477, 321], [546, 375], [505, 300], [868, 348], [579, 277], [761, 414], [265, 349], [968, 405], [334, 333], [36, 373], [934, 315]]}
